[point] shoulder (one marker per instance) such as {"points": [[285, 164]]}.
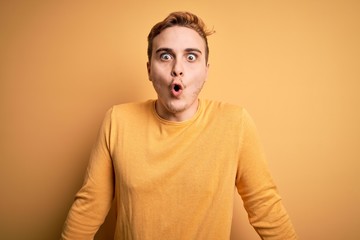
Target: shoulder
{"points": [[127, 112], [131, 108], [231, 114], [223, 109]]}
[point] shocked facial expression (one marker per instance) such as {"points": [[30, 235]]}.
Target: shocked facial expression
{"points": [[178, 71]]}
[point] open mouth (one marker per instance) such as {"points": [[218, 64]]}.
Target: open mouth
{"points": [[177, 87]]}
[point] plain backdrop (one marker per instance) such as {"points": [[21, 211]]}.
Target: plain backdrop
{"points": [[295, 66]]}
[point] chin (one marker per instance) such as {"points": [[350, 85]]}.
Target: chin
{"points": [[176, 106]]}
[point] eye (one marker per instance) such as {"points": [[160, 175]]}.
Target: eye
{"points": [[191, 57], [165, 56]]}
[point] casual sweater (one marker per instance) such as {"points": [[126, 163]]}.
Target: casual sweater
{"points": [[176, 180]]}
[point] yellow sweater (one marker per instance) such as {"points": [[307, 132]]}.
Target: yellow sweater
{"points": [[176, 180]]}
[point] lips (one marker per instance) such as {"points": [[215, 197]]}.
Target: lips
{"points": [[176, 88]]}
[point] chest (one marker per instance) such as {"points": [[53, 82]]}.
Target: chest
{"points": [[195, 160]]}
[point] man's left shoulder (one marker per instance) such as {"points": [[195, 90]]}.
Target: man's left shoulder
{"points": [[222, 107]]}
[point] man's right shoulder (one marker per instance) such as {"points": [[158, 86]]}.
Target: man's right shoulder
{"points": [[131, 105], [130, 110]]}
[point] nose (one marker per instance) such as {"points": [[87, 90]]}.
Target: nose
{"points": [[177, 69]]}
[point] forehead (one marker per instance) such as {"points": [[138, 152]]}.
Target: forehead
{"points": [[179, 38]]}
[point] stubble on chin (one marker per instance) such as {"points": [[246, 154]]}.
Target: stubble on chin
{"points": [[176, 107]]}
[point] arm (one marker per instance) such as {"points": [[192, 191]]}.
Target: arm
{"points": [[257, 189], [94, 199]]}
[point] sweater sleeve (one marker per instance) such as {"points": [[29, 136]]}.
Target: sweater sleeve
{"points": [[94, 199], [255, 185]]}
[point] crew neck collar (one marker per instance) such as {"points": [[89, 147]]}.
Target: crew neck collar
{"points": [[169, 122]]}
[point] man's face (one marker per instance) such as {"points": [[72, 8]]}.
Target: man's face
{"points": [[178, 70]]}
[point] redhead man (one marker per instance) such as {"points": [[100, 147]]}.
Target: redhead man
{"points": [[172, 164]]}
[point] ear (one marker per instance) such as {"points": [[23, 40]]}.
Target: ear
{"points": [[207, 70], [148, 67]]}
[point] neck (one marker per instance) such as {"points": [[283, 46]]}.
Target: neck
{"points": [[176, 116]]}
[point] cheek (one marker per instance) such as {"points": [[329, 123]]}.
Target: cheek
{"points": [[155, 83], [158, 85], [200, 76], [158, 73]]}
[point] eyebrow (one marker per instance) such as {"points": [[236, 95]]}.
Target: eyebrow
{"points": [[171, 50]]}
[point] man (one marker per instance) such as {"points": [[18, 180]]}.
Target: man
{"points": [[172, 164]]}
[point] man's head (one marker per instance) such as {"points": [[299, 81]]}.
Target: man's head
{"points": [[182, 19], [177, 65]]}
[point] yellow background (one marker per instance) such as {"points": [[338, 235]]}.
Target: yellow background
{"points": [[295, 65]]}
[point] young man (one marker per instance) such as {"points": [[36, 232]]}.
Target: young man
{"points": [[172, 164]]}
